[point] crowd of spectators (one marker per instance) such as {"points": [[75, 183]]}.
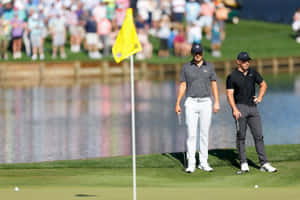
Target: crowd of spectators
{"points": [[92, 26]]}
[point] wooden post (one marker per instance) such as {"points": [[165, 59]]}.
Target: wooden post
{"points": [[291, 64], [1, 77], [275, 66], [77, 71], [42, 72], [177, 70], [227, 67], [126, 69], [161, 72], [104, 69], [259, 66], [144, 69]]}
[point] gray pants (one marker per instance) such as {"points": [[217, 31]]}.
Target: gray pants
{"points": [[250, 117]]}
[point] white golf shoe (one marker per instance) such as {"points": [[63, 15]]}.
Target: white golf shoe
{"points": [[191, 167], [245, 167], [267, 167], [205, 167]]}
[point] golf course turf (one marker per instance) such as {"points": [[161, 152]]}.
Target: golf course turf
{"points": [[159, 176]]}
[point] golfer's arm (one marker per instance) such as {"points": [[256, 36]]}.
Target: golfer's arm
{"points": [[230, 98], [181, 92], [262, 90], [215, 91]]}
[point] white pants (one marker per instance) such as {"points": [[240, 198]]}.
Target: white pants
{"points": [[296, 26], [198, 110]]}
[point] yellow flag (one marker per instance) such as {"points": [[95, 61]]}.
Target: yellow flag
{"points": [[127, 42]]}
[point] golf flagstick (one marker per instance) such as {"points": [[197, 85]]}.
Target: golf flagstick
{"points": [[133, 126], [126, 44]]}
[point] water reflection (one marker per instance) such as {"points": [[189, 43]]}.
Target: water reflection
{"points": [[63, 123]]}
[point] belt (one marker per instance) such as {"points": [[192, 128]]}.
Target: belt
{"points": [[200, 99]]}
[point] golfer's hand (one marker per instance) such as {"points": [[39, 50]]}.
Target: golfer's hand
{"points": [[216, 107], [178, 109], [236, 114], [256, 100]]}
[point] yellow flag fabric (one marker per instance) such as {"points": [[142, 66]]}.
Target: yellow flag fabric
{"points": [[127, 42]]}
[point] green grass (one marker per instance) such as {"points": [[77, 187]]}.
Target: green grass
{"points": [[261, 39], [159, 176]]}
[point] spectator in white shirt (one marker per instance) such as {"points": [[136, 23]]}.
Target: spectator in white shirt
{"points": [[57, 28], [178, 9], [296, 25]]}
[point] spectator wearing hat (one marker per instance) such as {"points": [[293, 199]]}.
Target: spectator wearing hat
{"points": [[197, 82]]}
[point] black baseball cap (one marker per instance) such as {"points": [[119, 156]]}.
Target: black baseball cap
{"points": [[196, 48], [243, 56]]}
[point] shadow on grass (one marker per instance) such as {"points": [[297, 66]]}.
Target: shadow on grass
{"points": [[227, 155], [84, 195]]}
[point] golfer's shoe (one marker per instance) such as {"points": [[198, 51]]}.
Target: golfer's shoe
{"points": [[267, 167], [205, 167], [190, 169], [245, 167], [191, 166]]}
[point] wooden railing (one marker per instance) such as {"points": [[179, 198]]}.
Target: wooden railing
{"points": [[72, 72]]}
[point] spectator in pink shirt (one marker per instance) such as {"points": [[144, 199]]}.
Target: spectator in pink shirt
{"points": [[120, 16], [206, 18], [103, 29]]}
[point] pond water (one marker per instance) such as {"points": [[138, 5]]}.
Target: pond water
{"points": [[92, 121]]}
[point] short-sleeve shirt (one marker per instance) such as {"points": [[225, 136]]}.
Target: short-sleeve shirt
{"points": [[207, 9], [192, 10], [198, 79], [243, 85]]}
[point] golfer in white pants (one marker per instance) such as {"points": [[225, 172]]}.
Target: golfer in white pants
{"points": [[197, 82]]}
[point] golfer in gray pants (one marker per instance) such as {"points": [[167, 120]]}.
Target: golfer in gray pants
{"points": [[198, 81], [240, 86]]}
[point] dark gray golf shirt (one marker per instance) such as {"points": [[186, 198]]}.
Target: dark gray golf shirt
{"points": [[198, 79]]}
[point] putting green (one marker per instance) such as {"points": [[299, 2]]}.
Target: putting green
{"points": [[158, 177], [66, 193]]}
